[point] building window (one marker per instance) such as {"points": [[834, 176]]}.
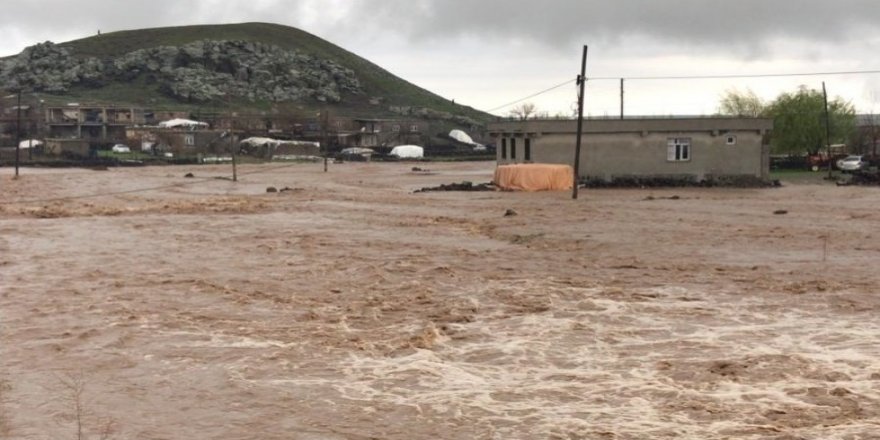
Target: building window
{"points": [[395, 128], [513, 148], [528, 152], [504, 148], [189, 140], [678, 150], [414, 129], [731, 139]]}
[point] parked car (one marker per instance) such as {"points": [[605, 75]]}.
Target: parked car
{"points": [[120, 148], [852, 163]]}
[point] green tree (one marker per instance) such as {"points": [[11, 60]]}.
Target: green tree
{"points": [[799, 121], [736, 103]]}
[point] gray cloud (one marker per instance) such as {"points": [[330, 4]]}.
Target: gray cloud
{"points": [[518, 46], [747, 24]]}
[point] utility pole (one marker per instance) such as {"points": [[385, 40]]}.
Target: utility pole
{"points": [[621, 98], [325, 119], [581, 80], [827, 129], [232, 147], [18, 133]]}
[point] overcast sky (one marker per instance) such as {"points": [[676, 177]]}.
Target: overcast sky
{"points": [[486, 53]]}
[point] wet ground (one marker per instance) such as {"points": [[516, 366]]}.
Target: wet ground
{"points": [[348, 307]]}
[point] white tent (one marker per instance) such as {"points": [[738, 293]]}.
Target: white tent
{"points": [[174, 123], [464, 138], [357, 150], [461, 136], [27, 143], [259, 141], [408, 152]]}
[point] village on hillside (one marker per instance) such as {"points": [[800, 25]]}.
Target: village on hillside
{"points": [[81, 132]]}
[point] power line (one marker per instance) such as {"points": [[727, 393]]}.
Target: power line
{"points": [[686, 77], [731, 76], [531, 96]]}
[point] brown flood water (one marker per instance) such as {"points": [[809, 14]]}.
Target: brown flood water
{"points": [[351, 308]]}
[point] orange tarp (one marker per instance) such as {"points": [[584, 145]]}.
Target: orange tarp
{"points": [[534, 177]]}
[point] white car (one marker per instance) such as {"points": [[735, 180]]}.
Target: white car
{"points": [[852, 163], [120, 148]]}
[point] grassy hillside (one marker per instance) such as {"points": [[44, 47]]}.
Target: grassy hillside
{"points": [[376, 81]]}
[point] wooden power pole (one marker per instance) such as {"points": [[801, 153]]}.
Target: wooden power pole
{"points": [[827, 130], [325, 119], [18, 134], [581, 79]]}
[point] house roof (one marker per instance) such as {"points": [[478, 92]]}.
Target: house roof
{"points": [[182, 123], [633, 125]]}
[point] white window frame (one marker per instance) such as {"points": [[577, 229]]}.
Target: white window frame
{"points": [[678, 150], [414, 128], [189, 140]]}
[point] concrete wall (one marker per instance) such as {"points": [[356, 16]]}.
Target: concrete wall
{"points": [[639, 147]]}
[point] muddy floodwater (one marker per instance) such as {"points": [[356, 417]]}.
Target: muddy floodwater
{"points": [[345, 306]]}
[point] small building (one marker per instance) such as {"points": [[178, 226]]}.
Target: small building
{"points": [[867, 136], [372, 133], [67, 147], [184, 141], [691, 148]]}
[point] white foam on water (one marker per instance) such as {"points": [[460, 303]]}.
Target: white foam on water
{"points": [[213, 340], [640, 363]]}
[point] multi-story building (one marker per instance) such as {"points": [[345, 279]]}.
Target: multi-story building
{"points": [[95, 124]]}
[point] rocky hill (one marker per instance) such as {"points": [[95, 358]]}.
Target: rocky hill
{"points": [[254, 64]]}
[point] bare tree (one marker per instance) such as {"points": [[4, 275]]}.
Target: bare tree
{"points": [[73, 391], [74, 385], [523, 111]]}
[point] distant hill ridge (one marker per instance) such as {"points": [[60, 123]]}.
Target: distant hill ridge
{"points": [[259, 65]]}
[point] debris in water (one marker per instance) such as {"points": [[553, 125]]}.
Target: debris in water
{"points": [[463, 186]]}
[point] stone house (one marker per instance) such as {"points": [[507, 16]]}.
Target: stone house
{"points": [[180, 141], [373, 133]]}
